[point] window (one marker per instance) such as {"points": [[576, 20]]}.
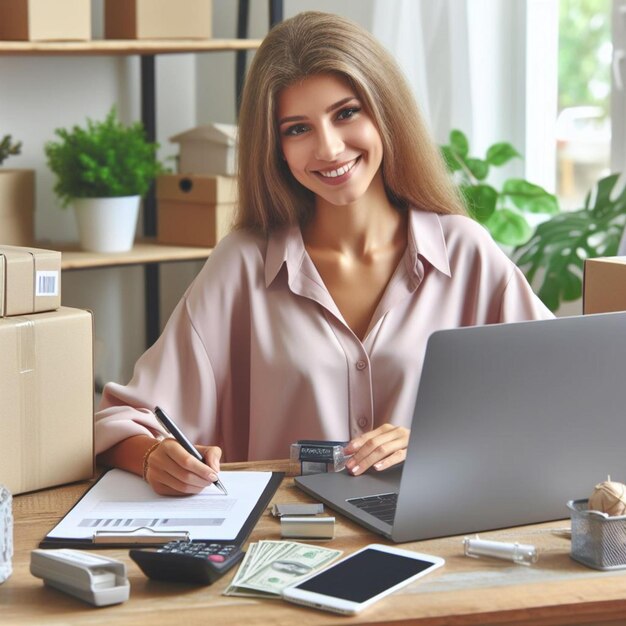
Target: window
{"points": [[583, 124]]}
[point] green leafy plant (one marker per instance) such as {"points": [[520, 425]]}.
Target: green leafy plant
{"points": [[501, 212], [558, 248], [102, 160], [8, 148]]}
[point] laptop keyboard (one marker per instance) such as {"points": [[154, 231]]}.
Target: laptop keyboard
{"points": [[382, 506]]}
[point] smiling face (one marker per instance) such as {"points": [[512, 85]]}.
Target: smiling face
{"points": [[329, 141]]}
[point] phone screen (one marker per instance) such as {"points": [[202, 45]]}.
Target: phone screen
{"points": [[364, 575]]}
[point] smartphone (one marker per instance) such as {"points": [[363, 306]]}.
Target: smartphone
{"points": [[364, 577]]}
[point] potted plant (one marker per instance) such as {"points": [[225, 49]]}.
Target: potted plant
{"points": [[8, 148], [555, 254], [103, 170], [502, 213], [17, 198], [552, 255]]}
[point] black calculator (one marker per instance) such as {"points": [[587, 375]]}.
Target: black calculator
{"points": [[196, 562]]}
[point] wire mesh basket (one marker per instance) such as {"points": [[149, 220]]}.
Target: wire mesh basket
{"points": [[598, 540]]}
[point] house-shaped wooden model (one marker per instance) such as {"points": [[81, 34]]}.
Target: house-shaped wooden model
{"points": [[207, 150]]}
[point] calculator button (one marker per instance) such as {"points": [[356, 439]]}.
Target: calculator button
{"points": [[216, 558]]}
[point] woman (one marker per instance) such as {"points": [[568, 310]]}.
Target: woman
{"points": [[310, 320]]}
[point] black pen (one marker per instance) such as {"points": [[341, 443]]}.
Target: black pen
{"points": [[171, 428]]}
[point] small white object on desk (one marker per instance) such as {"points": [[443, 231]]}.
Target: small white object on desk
{"points": [[307, 527], [93, 578], [525, 554], [297, 508], [6, 534]]}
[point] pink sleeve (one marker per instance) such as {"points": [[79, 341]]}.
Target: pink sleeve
{"points": [[520, 303], [175, 374]]}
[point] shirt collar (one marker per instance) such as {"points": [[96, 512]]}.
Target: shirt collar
{"points": [[425, 239], [284, 247]]}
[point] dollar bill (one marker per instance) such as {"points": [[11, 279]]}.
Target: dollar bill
{"points": [[233, 590], [245, 565], [296, 563], [267, 551], [269, 566], [263, 552], [255, 553]]}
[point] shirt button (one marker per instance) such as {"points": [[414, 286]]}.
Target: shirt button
{"points": [[362, 422], [361, 365]]}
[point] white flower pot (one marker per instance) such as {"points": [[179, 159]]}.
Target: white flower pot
{"points": [[107, 224]]}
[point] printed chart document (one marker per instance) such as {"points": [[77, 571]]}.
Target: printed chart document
{"points": [[121, 501]]}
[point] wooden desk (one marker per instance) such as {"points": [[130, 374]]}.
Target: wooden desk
{"points": [[465, 591]]}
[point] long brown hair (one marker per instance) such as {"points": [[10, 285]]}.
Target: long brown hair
{"points": [[320, 43]]}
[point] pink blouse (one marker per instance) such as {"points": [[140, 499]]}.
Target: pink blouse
{"points": [[256, 355]]}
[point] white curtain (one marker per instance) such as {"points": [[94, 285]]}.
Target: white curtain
{"points": [[430, 41], [475, 65]]}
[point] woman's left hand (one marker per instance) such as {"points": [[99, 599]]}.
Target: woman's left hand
{"points": [[381, 448]]}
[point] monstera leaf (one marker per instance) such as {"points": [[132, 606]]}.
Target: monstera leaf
{"points": [[558, 248]]}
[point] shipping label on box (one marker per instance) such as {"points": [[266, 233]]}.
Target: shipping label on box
{"points": [[604, 285], [157, 19], [30, 280], [45, 20], [194, 210], [46, 386]]}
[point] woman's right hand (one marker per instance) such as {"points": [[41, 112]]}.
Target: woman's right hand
{"points": [[172, 471]]}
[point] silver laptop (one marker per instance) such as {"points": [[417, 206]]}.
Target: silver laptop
{"points": [[510, 422]]}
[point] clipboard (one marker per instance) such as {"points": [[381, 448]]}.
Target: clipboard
{"points": [[148, 537]]}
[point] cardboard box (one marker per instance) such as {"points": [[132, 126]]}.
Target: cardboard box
{"points": [[46, 386], [30, 280], [194, 210], [157, 19], [604, 288], [208, 150], [17, 207], [45, 20]]}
